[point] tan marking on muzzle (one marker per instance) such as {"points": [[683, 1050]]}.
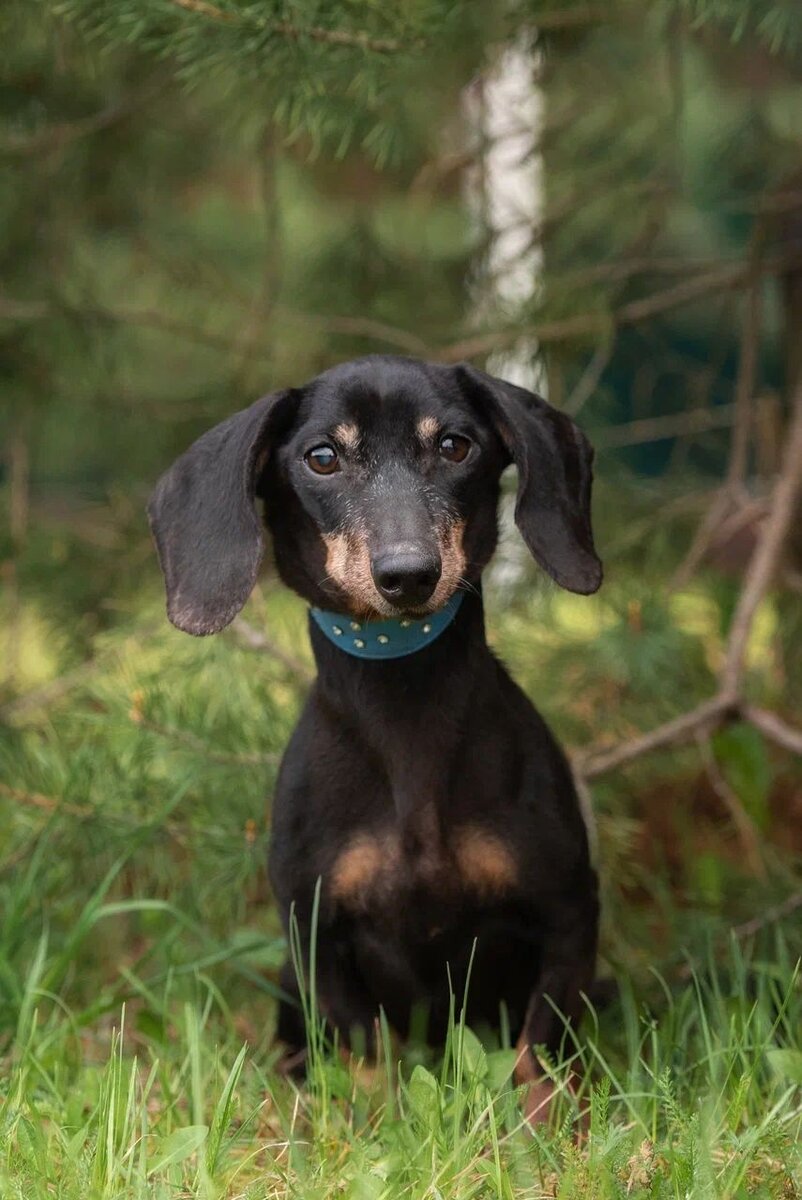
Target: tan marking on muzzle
{"points": [[347, 435], [348, 566], [452, 560], [486, 863]]}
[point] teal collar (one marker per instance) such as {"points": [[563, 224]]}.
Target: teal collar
{"points": [[395, 638]]}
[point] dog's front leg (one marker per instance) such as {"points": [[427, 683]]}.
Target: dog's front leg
{"points": [[341, 997], [556, 1002]]}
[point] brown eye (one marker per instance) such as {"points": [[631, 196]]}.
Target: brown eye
{"points": [[454, 447], [323, 460]]}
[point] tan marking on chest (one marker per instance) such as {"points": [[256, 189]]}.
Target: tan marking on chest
{"points": [[486, 863], [372, 868], [366, 864]]}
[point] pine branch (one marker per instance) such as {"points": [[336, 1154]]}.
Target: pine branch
{"points": [[352, 39]]}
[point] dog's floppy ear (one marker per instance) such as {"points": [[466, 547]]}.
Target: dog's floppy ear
{"points": [[554, 461], [204, 521]]}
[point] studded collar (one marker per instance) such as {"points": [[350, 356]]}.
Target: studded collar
{"points": [[396, 638]]}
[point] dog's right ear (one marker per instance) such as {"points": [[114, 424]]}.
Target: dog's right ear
{"points": [[204, 521]]}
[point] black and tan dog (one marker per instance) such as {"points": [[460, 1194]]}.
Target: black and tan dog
{"points": [[420, 786]]}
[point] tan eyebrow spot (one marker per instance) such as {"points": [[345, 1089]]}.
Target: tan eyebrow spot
{"points": [[427, 429], [347, 435]]}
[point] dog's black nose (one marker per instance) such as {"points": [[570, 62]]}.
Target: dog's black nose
{"points": [[406, 577]]}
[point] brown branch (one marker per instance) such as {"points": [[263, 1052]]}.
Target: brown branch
{"points": [[351, 39], [752, 927], [653, 429], [254, 639], [774, 727], [55, 137], [746, 379], [589, 379], [48, 692], [197, 745], [729, 495], [47, 803], [778, 913], [569, 18], [705, 717], [366, 327], [585, 324], [12, 309], [745, 826], [766, 557], [19, 514], [728, 703]]}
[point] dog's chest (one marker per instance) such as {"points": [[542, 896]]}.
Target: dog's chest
{"points": [[375, 870]]}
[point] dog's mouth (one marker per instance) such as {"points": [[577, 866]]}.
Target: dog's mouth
{"points": [[379, 609]]}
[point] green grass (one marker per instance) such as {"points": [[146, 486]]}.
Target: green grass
{"points": [[139, 951]]}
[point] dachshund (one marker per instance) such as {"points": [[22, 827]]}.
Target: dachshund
{"points": [[424, 816]]}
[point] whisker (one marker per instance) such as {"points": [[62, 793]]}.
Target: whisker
{"points": [[466, 586]]}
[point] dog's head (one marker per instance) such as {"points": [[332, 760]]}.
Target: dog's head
{"points": [[380, 484]]}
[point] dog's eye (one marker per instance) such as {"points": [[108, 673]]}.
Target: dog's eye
{"points": [[454, 447], [323, 459]]}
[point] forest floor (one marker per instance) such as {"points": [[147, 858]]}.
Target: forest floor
{"points": [[139, 946]]}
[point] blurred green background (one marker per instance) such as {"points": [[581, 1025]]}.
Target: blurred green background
{"points": [[202, 202]]}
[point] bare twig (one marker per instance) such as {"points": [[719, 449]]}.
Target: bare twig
{"points": [[653, 429], [47, 803], [19, 479], [743, 823], [728, 702], [12, 309], [199, 746], [766, 557], [746, 380], [731, 492], [254, 639], [42, 696], [570, 18], [752, 927], [774, 727], [55, 137], [51, 692], [705, 717], [600, 323], [589, 378], [779, 912]]}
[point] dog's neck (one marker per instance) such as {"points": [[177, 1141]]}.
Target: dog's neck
{"points": [[409, 712]]}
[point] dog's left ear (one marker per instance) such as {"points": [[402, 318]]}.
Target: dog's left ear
{"points": [[204, 520], [554, 461]]}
